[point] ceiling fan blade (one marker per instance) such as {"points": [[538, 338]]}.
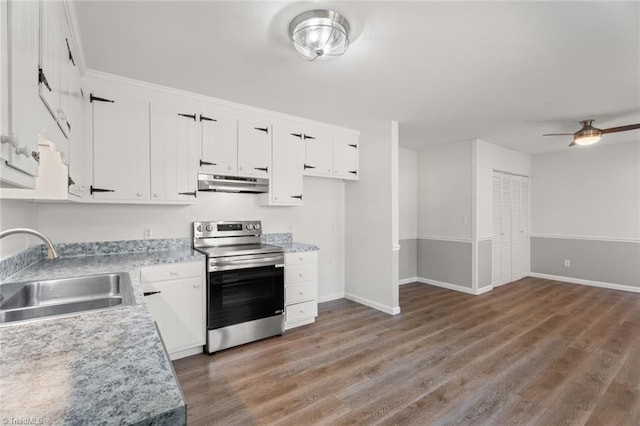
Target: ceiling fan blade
{"points": [[572, 144], [621, 128], [558, 134]]}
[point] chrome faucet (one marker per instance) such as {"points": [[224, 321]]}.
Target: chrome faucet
{"points": [[51, 252]]}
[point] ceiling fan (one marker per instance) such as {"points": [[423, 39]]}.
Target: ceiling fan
{"points": [[588, 134]]}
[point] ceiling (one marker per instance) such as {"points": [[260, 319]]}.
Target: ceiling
{"points": [[504, 72]]}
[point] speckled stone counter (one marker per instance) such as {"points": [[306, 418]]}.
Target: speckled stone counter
{"points": [[285, 241], [104, 367], [294, 247]]}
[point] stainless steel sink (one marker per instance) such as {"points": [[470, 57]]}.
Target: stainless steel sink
{"points": [[47, 298]]}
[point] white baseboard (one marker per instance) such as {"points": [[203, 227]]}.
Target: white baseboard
{"points": [[407, 280], [185, 353], [446, 285], [330, 297], [485, 289], [454, 287], [586, 282], [375, 305]]}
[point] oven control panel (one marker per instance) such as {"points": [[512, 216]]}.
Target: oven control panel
{"points": [[226, 229]]}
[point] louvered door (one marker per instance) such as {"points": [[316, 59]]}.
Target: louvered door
{"points": [[510, 228]]}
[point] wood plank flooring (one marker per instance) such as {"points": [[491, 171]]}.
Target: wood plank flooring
{"points": [[531, 352]]}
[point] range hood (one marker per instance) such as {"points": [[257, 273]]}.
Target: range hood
{"points": [[220, 183]]}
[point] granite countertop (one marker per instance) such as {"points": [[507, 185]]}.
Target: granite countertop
{"points": [[294, 247], [105, 367], [285, 241]]}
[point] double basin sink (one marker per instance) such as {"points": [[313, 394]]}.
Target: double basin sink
{"points": [[30, 300]]}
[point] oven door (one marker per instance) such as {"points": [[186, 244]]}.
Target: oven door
{"points": [[240, 295]]}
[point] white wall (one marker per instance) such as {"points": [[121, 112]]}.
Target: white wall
{"points": [[492, 157], [444, 191], [17, 214], [408, 192], [591, 191], [371, 263]]}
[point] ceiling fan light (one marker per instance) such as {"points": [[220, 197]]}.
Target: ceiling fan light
{"points": [[319, 33], [588, 135], [586, 140]]}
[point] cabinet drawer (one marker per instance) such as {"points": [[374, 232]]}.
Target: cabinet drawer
{"points": [[299, 293], [300, 274], [301, 311], [173, 271], [300, 258]]}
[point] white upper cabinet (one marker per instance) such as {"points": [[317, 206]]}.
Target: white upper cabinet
{"points": [[21, 122], [318, 152], [345, 155], [52, 84], [254, 145], [287, 161], [219, 133], [120, 147], [174, 149]]}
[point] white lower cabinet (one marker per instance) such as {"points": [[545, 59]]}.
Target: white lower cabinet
{"points": [[176, 296], [300, 288]]}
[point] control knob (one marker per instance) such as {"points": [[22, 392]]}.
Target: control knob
{"points": [[256, 226], [208, 228], [249, 226]]}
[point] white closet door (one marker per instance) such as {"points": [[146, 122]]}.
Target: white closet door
{"points": [[517, 245], [501, 270], [510, 228]]}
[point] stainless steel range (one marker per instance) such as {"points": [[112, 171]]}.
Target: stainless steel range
{"points": [[245, 283]]}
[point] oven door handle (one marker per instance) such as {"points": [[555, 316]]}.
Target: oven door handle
{"points": [[246, 263]]}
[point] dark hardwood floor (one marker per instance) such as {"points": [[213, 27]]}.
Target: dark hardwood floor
{"points": [[531, 352]]}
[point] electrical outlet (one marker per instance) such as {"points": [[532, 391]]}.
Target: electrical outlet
{"points": [[567, 263], [147, 233]]}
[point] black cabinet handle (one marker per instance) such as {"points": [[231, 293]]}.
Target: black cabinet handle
{"points": [[306, 166], [69, 50], [206, 163], [264, 169], [98, 99], [149, 293], [299, 197], [192, 116], [262, 129], [43, 79], [203, 118], [193, 194], [297, 135], [353, 145], [355, 172], [308, 137], [93, 189]]}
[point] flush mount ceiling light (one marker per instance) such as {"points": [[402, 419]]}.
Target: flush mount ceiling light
{"points": [[319, 33]]}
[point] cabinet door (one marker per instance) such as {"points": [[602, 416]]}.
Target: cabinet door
{"points": [[288, 160], [23, 30], [345, 155], [219, 132], [318, 153], [178, 309], [190, 296], [254, 146], [174, 150], [79, 161], [53, 58], [120, 148]]}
